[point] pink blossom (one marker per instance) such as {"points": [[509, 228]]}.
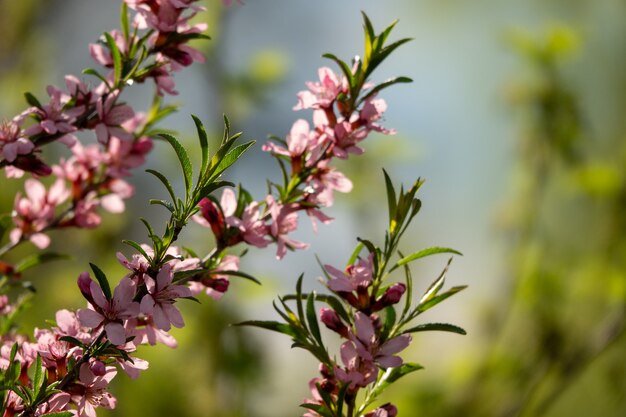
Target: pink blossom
{"points": [[34, 213], [321, 94], [13, 141], [371, 112], [386, 410], [325, 181], [55, 119], [145, 331], [369, 348], [230, 229], [55, 404], [299, 140], [101, 53], [355, 277], [95, 392], [110, 313], [162, 294], [112, 118], [214, 283], [284, 221]]}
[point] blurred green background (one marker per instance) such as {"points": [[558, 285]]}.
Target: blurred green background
{"points": [[515, 119]]}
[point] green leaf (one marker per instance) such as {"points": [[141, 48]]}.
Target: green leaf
{"points": [[204, 145], [183, 158], [168, 205], [117, 57], [299, 298], [312, 318], [102, 280], [138, 248], [60, 414], [270, 325], [347, 71], [408, 297], [322, 410], [124, 21], [91, 71], [390, 321], [239, 274], [396, 373], [384, 85], [391, 202], [355, 254], [424, 253], [32, 100], [38, 259], [72, 340], [443, 327], [165, 182], [39, 377], [423, 306], [436, 285], [230, 158]]}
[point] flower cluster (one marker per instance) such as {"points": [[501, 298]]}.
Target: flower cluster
{"points": [[153, 46], [305, 157], [67, 369]]}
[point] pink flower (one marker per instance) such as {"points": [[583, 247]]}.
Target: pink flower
{"points": [[55, 119], [162, 294], [284, 221], [55, 404], [95, 392], [369, 348], [230, 229], [112, 119], [387, 410], [110, 313], [100, 51], [325, 181], [214, 283], [299, 140], [321, 94], [33, 213], [356, 277], [371, 112], [13, 141]]}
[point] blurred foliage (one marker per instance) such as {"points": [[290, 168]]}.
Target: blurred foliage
{"points": [[555, 341]]}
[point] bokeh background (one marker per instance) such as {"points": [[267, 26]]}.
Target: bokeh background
{"points": [[516, 120]]}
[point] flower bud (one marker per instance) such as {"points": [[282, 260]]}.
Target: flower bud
{"points": [[332, 320], [218, 284], [214, 216], [390, 297], [98, 368], [84, 285]]}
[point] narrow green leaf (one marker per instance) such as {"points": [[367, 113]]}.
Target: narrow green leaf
{"points": [[60, 414], [102, 280], [299, 306], [72, 340], [322, 410], [138, 248], [391, 202], [270, 325], [32, 100], [5, 224], [311, 317], [91, 71], [436, 285], [239, 274], [165, 182], [424, 253], [38, 259], [38, 377], [124, 21], [423, 306], [117, 57], [355, 254], [384, 85], [183, 158], [230, 158], [443, 327], [168, 205], [204, 145], [408, 297], [396, 373], [347, 71]]}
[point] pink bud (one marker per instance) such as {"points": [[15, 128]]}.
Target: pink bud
{"points": [[332, 320], [84, 284], [98, 368]]}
